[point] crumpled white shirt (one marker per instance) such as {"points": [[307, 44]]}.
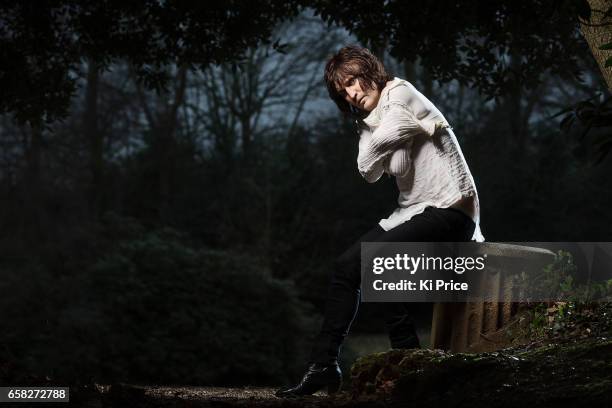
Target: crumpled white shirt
{"points": [[406, 136]]}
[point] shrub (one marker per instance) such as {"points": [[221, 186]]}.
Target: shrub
{"points": [[153, 309]]}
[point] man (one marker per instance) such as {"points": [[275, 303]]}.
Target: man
{"points": [[405, 135]]}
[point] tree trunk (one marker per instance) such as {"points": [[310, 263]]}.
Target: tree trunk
{"points": [[512, 104], [34, 222], [410, 74], [166, 145], [96, 143], [428, 83], [246, 135], [597, 32]]}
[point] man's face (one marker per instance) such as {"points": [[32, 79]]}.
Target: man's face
{"points": [[355, 95]]}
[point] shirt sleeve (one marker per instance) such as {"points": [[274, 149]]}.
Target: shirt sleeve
{"points": [[399, 163], [398, 126], [377, 169]]}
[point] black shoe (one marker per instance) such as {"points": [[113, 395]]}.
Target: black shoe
{"points": [[317, 377]]}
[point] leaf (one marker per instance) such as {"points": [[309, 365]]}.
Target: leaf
{"points": [[585, 105], [280, 48], [607, 46], [586, 130], [566, 123], [568, 109]]}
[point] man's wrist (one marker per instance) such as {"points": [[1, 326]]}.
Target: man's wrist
{"points": [[439, 126]]}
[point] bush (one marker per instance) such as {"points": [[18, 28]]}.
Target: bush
{"points": [[153, 309]]}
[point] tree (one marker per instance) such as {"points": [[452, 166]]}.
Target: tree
{"points": [[251, 113], [43, 43], [596, 26], [162, 122], [471, 41], [266, 91]]}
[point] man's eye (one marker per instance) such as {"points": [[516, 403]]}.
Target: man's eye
{"points": [[349, 81]]}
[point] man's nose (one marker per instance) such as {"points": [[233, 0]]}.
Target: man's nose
{"points": [[352, 93]]}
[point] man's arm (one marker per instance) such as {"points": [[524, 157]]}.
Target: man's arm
{"points": [[397, 127], [377, 169], [399, 163]]}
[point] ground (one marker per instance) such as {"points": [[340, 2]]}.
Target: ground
{"points": [[565, 361]]}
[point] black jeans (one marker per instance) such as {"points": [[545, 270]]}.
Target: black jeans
{"points": [[433, 225]]}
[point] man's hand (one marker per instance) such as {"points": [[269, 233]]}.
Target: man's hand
{"points": [[439, 126]]}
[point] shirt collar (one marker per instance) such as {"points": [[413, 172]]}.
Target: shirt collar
{"points": [[373, 118]]}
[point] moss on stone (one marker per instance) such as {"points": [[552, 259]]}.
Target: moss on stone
{"points": [[547, 375]]}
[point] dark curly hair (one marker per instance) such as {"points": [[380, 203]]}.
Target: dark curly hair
{"points": [[360, 63]]}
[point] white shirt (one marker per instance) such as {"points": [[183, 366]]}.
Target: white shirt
{"points": [[429, 167]]}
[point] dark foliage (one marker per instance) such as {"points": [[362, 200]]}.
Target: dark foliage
{"points": [[42, 44], [134, 297], [494, 46], [151, 308]]}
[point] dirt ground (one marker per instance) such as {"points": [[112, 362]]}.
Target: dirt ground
{"points": [[134, 396]]}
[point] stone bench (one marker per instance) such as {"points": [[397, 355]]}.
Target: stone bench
{"points": [[463, 327]]}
